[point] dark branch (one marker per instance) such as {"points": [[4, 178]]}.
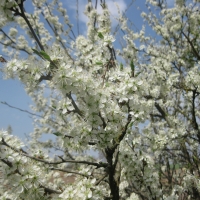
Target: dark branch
{"points": [[68, 171], [101, 164]]}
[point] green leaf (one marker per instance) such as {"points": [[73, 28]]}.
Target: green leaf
{"points": [[45, 55], [103, 5], [36, 52], [131, 124], [54, 107], [121, 67], [138, 74], [42, 54], [57, 134], [99, 63], [132, 66], [100, 35]]}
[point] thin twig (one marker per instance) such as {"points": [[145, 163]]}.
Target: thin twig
{"points": [[68, 171], [77, 16], [101, 179], [77, 110], [5, 103], [53, 163]]}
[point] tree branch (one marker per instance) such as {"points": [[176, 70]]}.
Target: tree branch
{"points": [[74, 105], [68, 171], [192, 46], [101, 164], [194, 114]]}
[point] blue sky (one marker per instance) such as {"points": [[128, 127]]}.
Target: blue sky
{"points": [[12, 91]]}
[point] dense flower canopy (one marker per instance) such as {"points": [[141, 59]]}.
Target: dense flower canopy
{"points": [[137, 105]]}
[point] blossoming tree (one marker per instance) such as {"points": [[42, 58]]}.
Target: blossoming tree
{"points": [[138, 105]]}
